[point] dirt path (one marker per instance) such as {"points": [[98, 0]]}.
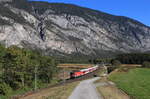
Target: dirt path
{"points": [[109, 91], [86, 90]]}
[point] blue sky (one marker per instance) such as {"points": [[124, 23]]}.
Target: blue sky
{"points": [[136, 9]]}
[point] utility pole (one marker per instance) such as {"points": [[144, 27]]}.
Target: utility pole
{"points": [[35, 78], [64, 76], [105, 67]]}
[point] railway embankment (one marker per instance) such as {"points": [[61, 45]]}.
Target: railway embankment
{"points": [[57, 92]]}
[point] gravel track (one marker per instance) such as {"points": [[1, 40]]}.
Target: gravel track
{"points": [[86, 90]]}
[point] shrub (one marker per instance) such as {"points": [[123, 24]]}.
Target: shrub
{"points": [[116, 63], [110, 69], [5, 89], [146, 64]]}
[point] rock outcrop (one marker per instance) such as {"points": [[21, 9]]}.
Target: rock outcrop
{"points": [[69, 29]]}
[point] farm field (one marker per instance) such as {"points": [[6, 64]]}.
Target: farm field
{"points": [[131, 65], [135, 82], [75, 65]]}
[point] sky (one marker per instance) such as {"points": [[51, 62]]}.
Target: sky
{"points": [[135, 9]]}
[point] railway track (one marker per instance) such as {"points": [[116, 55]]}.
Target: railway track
{"points": [[84, 77]]}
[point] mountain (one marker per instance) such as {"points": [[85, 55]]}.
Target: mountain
{"points": [[65, 29]]}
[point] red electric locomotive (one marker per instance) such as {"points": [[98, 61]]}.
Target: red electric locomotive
{"points": [[75, 74]]}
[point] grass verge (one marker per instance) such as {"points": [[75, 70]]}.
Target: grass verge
{"points": [[60, 92], [107, 89]]}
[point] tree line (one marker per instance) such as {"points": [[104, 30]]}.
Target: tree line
{"points": [[133, 58], [24, 69]]}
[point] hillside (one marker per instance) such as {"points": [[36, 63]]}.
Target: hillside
{"points": [[65, 29]]}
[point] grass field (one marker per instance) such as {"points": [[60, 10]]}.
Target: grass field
{"points": [[135, 82]]}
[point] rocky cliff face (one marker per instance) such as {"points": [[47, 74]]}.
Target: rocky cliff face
{"points": [[68, 29]]}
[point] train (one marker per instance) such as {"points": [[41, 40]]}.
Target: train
{"points": [[82, 72]]}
